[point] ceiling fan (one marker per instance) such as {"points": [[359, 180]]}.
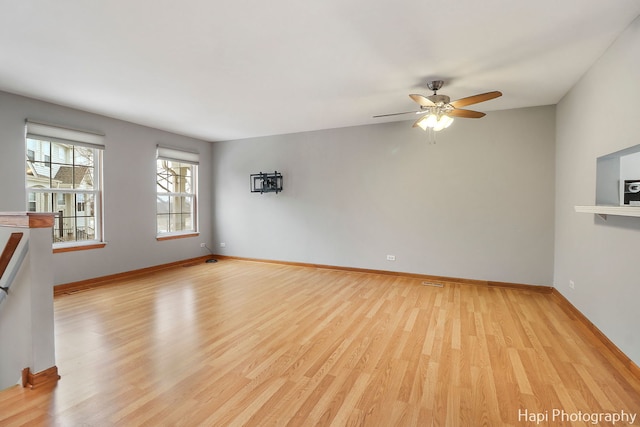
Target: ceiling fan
{"points": [[438, 111]]}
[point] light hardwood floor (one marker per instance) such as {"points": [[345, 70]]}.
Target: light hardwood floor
{"points": [[247, 343]]}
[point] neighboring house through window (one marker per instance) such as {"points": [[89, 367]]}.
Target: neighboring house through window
{"points": [[63, 176], [177, 192]]}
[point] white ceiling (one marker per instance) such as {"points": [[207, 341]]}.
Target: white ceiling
{"points": [[230, 69]]}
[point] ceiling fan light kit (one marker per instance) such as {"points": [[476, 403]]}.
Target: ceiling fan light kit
{"points": [[438, 111], [434, 120]]}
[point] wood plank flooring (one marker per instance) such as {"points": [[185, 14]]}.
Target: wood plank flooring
{"points": [[246, 343]]}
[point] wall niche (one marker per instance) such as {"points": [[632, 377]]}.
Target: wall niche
{"points": [[617, 184]]}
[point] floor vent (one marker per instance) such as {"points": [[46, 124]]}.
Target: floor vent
{"points": [[435, 285]]}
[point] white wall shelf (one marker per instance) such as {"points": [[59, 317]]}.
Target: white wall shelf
{"points": [[604, 210]]}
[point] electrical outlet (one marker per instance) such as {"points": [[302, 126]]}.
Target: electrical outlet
{"points": [[572, 285], [203, 245], [391, 257], [223, 245]]}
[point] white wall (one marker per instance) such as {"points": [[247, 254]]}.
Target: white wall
{"points": [[630, 167], [600, 257], [129, 189], [478, 204]]}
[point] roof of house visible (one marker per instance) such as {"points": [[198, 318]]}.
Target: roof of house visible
{"points": [[65, 174]]}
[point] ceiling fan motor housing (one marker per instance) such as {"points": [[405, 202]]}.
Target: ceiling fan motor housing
{"points": [[439, 99], [435, 85]]}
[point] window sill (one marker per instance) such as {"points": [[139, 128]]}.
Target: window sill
{"points": [[61, 249], [176, 236]]}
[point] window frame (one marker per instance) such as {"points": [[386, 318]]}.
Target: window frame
{"points": [[187, 159], [56, 137]]}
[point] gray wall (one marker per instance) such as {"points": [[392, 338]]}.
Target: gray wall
{"points": [[478, 204], [129, 189], [601, 257]]}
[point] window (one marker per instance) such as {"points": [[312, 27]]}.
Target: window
{"points": [[63, 176], [31, 203], [176, 192]]}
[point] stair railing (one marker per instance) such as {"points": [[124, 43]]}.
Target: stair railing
{"points": [[7, 254]]}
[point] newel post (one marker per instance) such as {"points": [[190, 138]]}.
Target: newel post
{"points": [[27, 334]]}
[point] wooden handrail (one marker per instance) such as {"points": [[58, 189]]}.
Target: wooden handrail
{"points": [[9, 249]]}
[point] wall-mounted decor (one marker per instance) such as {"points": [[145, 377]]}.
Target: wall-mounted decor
{"points": [[266, 182]]}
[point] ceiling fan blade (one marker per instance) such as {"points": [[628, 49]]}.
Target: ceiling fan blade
{"points": [[415, 124], [462, 102], [397, 114], [422, 100], [467, 114]]}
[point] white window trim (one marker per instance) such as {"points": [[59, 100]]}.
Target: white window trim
{"points": [[182, 156], [83, 138]]}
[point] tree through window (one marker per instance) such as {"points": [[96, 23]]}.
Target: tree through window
{"points": [[176, 192]]}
